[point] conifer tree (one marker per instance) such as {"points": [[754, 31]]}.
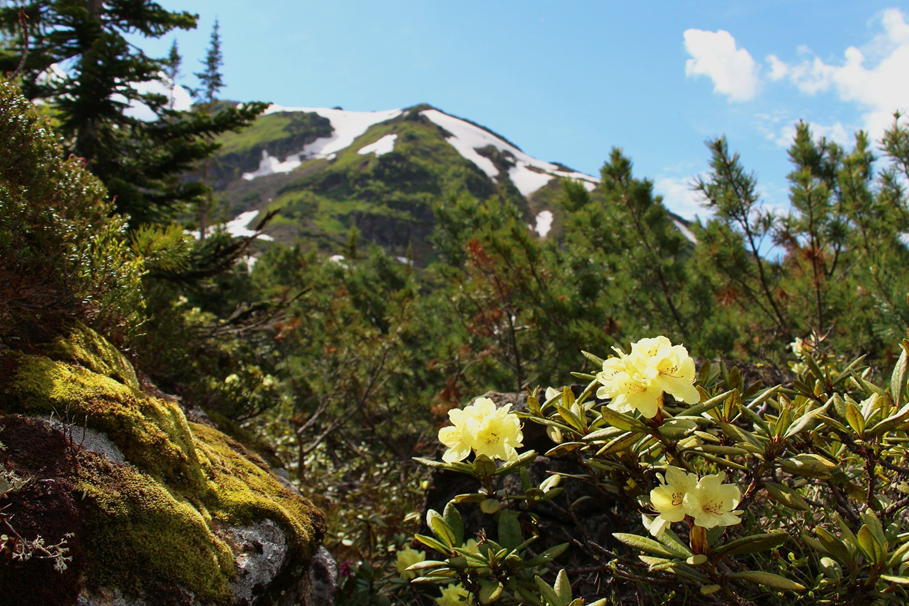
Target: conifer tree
{"points": [[139, 160], [212, 81], [174, 60], [210, 77]]}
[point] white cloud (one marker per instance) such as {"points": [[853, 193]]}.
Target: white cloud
{"points": [[872, 77], [778, 69], [837, 132], [714, 54], [680, 198]]}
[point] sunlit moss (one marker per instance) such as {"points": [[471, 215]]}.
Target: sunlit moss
{"points": [[153, 523]]}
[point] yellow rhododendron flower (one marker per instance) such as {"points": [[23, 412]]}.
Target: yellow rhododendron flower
{"points": [[711, 503], [407, 558], [453, 595], [674, 372], [669, 498], [483, 428], [638, 380]]}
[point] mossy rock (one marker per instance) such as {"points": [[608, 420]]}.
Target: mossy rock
{"points": [[156, 523]]}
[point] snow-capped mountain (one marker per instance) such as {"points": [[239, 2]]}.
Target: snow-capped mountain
{"points": [[331, 169]]}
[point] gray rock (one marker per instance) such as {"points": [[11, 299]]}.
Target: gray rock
{"points": [[323, 579], [259, 553], [88, 439]]}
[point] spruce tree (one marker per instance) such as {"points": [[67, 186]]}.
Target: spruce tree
{"points": [[174, 60], [140, 161], [212, 82], [210, 77]]}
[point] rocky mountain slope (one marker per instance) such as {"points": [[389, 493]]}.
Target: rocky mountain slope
{"points": [[329, 170]]}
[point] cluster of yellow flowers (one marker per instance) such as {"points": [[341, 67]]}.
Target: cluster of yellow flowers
{"points": [[484, 429], [637, 381], [707, 500]]}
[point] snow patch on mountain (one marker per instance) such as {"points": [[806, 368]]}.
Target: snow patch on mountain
{"points": [[347, 126], [527, 181], [544, 223], [239, 227], [269, 165], [685, 231], [467, 138], [384, 145]]}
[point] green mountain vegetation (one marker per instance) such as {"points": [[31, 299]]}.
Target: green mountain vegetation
{"points": [[388, 198]]}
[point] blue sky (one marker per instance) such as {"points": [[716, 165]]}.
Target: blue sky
{"points": [[567, 81]]}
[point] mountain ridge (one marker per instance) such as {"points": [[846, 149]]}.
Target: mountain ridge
{"points": [[330, 170]]}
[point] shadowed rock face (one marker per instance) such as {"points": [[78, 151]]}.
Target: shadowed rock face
{"points": [[153, 509]]}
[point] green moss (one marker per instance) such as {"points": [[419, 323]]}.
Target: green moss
{"points": [[240, 492], [86, 347], [152, 433], [142, 536], [152, 524]]}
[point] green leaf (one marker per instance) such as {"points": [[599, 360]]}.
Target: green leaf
{"points": [[833, 546], [722, 450], [673, 543], [890, 422], [804, 421], [900, 373], [830, 422], [874, 525], [471, 497], [720, 461], [484, 467], [710, 589], [786, 496], [814, 368], [854, 418], [510, 535], [769, 579], [525, 458], [676, 429], [528, 597], [620, 443], [597, 361], [696, 560], [441, 529], [548, 592], [547, 556], [869, 545], [622, 421], [808, 465], [704, 372], [896, 557], [699, 409], [432, 543], [644, 544], [607, 433], [563, 448], [756, 419], [490, 591], [892, 579], [753, 544], [563, 587], [458, 467], [452, 517], [426, 565]]}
